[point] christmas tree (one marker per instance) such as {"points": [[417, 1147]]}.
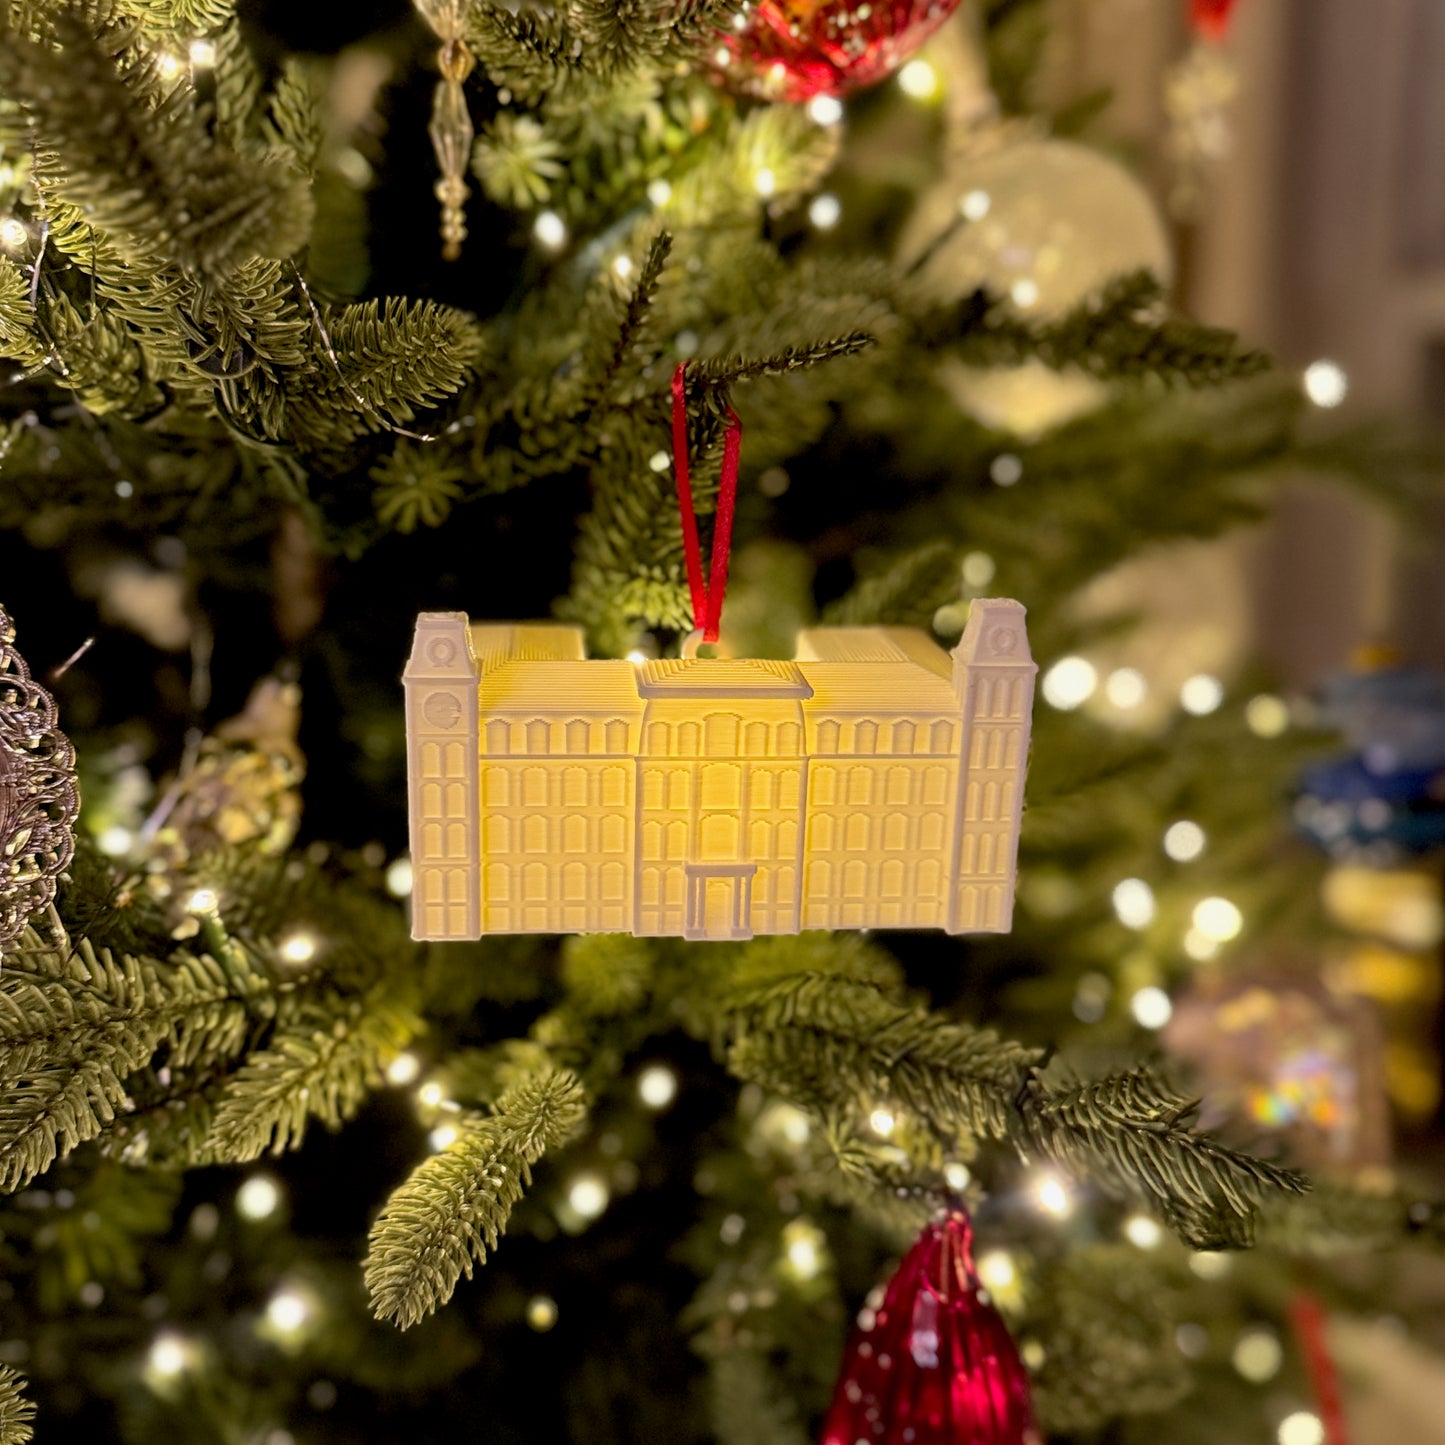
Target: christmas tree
{"points": [[317, 321]]}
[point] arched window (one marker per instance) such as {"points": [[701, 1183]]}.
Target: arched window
{"points": [[498, 883], [930, 831], [456, 840], [652, 840], [821, 829], [941, 736], [895, 832], [613, 880], [721, 785], [760, 840], [676, 841], [755, 743], [935, 786], [788, 788], [574, 882], [534, 882], [456, 760], [827, 736], [534, 834], [534, 788], [614, 834], [687, 739], [495, 787], [867, 740], [820, 878], [787, 838], [431, 760], [537, 731], [577, 736], [899, 785], [789, 739], [860, 785], [431, 841], [855, 835], [433, 886], [498, 834], [719, 838], [456, 800], [903, 733], [678, 789], [574, 788], [617, 736], [855, 881], [431, 800], [574, 833], [926, 885], [762, 789], [659, 740], [825, 786], [654, 789], [989, 809], [497, 736], [890, 879], [614, 788], [722, 735]]}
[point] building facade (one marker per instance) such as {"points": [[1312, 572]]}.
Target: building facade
{"points": [[873, 782]]}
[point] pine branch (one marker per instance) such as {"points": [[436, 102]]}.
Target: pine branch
{"points": [[529, 52], [455, 1205], [16, 1412], [1133, 1136], [906, 592], [715, 375], [321, 1063], [748, 1403], [1336, 1218], [135, 158]]}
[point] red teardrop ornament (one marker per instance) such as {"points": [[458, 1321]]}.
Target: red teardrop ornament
{"points": [[1210, 18], [796, 49], [934, 1364]]}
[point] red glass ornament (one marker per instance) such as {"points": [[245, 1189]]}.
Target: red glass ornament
{"points": [[796, 49], [934, 1364], [1209, 19]]}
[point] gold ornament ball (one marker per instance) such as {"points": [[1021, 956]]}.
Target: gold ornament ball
{"points": [[1045, 223], [1026, 400]]}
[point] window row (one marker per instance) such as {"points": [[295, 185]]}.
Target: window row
{"points": [[722, 735], [865, 785], [543, 833], [444, 760], [1000, 699], [994, 747], [867, 735], [579, 737], [869, 833], [857, 881], [544, 883], [508, 786]]}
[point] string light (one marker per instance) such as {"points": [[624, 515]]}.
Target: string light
{"points": [[998, 1273], [541, 1313], [1126, 688], [1257, 1355], [1133, 901], [203, 900], [637, 656], [919, 80], [1266, 716], [258, 1197], [956, 1175], [115, 841], [288, 1310], [622, 266], [203, 54], [657, 1086], [168, 66], [659, 192], [1005, 469], [399, 878], [659, 461], [978, 569], [1053, 1197], [975, 205], [442, 1137], [825, 110], [298, 948], [1209, 1264], [1024, 293], [1218, 919], [1301, 1428], [1151, 1007], [587, 1196], [13, 234], [1184, 841], [1325, 383], [550, 230], [765, 183], [1192, 1340], [1200, 946], [882, 1123], [1201, 694], [1069, 683], [803, 1248], [403, 1069], [825, 211], [1142, 1232], [430, 1095], [170, 1354]]}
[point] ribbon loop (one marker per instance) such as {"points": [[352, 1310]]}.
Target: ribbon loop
{"points": [[707, 597]]}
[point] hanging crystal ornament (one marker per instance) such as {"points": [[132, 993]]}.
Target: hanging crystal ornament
{"points": [[795, 49], [934, 1364], [451, 127], [39, 796]]}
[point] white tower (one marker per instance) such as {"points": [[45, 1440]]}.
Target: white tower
{"points": [[993, 675], [441, 746]]}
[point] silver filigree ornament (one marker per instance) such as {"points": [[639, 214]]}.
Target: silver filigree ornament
{"points": [[39, 795]]}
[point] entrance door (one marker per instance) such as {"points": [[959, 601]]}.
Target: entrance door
{"points": [[719, 901]]}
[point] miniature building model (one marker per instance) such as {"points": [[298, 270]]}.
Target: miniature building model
{"points": [[875, 781]]}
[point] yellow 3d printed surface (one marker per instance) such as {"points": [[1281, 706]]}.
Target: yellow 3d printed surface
{"points": [[874, 782]]}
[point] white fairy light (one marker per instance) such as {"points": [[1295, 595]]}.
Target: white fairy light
{"points": [[203, 900], [1257, 1354], [258, 1197], [1209, 1264], [1125, 687], [1053, 1197], [1151, 1007], [1133, 901], [722, 56], [659, 192], [919, 80], [622, 266], [978, 569], [550, 230], [541, 1313], [657, 1086], [882, 1123], [287, 1311], [298, 948], [116, 841], [203, 54], [1069, 683], [430, 1095], [170, 1354], [996, 1270], [637, 656], [1005, 469], [588, 1196], [1201, 694], [659, 461], [1266, 716], [765, 181], [975, 205], [442, 1137], [803, 1248], [825, 110], [1218, 918], [956, 1175], [1184, 841], [13, 234], [1200, 946], [1325, 383], [403, 1069], [399, 878], [168, 66], [1142, 1232], [1024, 293], [1301, 1428], [825, 211]]}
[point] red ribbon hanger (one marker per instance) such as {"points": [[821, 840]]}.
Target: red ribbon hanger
{"points": [[707, 598]]}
